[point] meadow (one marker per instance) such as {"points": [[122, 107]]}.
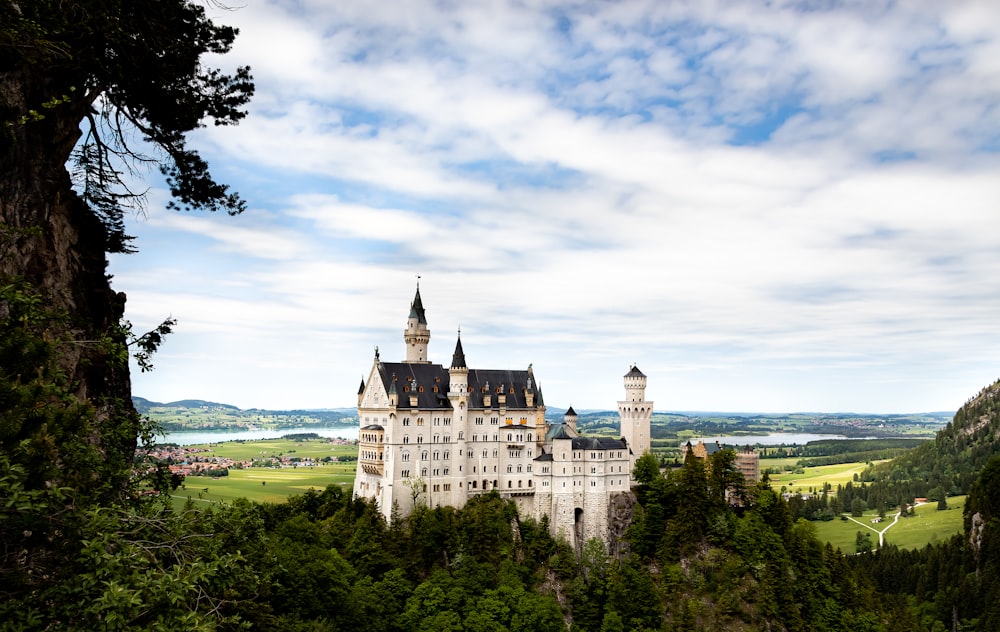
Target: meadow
{"points": [[270, 483], [810, 478], [928, 526]]}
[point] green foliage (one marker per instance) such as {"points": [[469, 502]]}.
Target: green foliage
{"points": [[119, 69]]}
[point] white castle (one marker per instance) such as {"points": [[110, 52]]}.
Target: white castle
{"points": [[440, 436]]}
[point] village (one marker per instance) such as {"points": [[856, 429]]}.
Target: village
{"points": [[202, 461]]}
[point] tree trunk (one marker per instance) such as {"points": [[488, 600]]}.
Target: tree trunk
{"points": [[52, 240]]}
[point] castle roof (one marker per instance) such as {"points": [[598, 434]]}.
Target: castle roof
{"points": [[598, 443], [458, 359], [417, 308], [635, 372], [432, 383], [560, 431]]}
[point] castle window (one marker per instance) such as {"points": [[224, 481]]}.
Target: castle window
{"points": [[437, 488], [447, 487], [405, 473], [473, 469], [420, 421], [420, 439], [420, 389], [437, 439], [406, 421], [509, 436], [510, 484], [423, 455], [423, 471], [479, 421], [485, 453], [447, 421], [406, 389], [494, 420], [461, 435], [529, 436], [446, 471], [518, 469], [406, 439], [472, 484], [437, 455], [406, 456], [510, 468], [446, 455], [437, 472], [529, 482], [447, 438]]}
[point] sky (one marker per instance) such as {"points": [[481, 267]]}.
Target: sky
{"points": [[765, 206]]}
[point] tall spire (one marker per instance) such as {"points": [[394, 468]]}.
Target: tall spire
{"points": [[417, 308], [458, 359]]}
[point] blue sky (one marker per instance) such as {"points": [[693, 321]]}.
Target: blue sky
{"points": [[787, 206]]}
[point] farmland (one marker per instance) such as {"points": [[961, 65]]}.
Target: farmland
{"points": [[279, 470]]}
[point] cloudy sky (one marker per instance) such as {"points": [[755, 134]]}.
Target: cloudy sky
{"points": [[767, 206]]}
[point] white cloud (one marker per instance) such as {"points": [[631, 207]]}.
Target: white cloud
{"points": [[567, 180]]}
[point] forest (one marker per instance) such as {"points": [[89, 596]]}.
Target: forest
{"points": [[89, 540]]}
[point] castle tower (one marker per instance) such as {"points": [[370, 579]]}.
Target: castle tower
{"points": [[635, 413], [570, 417], [417, 335]]}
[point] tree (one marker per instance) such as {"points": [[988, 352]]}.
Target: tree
{"points": [[107, 87]]}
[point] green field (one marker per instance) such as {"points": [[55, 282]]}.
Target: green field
{"points": [[269, 484], [811, 477], [927, 527]]}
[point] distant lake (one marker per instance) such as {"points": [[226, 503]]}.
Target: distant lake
{"points": [[774, 438], [218, 436]]}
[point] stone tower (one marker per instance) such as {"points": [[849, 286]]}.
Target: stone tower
{"points": [[417, 335], [635, 413]]}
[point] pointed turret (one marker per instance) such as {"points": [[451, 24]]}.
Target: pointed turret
{"points": [[417, 308], [458, 387], [361, 391], [417, 335], [458, 359]]}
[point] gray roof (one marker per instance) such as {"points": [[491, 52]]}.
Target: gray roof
{"points": [[635, 372], [417, 308], [458, 358], [403, 375]]}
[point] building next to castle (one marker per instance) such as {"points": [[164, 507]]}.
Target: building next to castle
{"points": [[439, 436], [747, 459]]}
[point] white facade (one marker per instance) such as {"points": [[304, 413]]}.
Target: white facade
{"points": [[438, 436]]}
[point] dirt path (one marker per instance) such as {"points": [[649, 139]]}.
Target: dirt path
{"points": [[881, 534]]}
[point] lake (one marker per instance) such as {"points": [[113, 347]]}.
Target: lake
{"points": [[218, 436], [774, 438]]}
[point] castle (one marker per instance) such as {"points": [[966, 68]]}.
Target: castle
{"points": [[440, 436]]}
